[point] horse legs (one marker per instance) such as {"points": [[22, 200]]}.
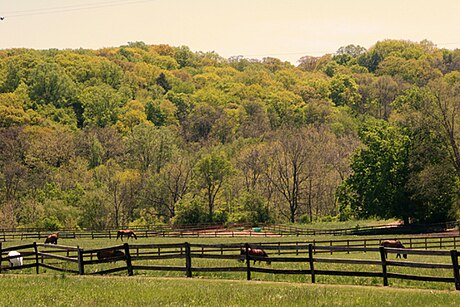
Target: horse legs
{"points": [[398, 255]]}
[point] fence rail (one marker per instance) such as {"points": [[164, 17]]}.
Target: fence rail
{"points": [[77, 260]]}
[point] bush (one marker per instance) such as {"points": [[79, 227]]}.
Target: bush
{"points": [[51, 223], [304, 219], [190, 211], [345, 214], [328, 219]]}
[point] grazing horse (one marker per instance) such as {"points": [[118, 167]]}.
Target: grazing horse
{"points": [[52, 238], [257, 252], [110, 254], [15, 258], [128, 233], [394, 244]]}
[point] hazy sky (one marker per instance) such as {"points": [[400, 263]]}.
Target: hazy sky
{"points": [[285, 29]]}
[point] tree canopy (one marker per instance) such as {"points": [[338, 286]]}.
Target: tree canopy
{"points": [[142, 134]]}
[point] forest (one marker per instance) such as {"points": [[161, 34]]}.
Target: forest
{"points": [[142, 134]]}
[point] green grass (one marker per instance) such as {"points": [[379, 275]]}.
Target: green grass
{"points": [[63, 290]]}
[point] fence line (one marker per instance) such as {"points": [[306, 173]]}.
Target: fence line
{"points": [[77, 259], [209, 230]]}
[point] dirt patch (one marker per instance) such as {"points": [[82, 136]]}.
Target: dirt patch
{"points": [[223, 232]]}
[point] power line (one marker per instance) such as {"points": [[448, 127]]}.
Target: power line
{"points": [[70, 8]]}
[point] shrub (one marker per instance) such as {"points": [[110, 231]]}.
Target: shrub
{"points": [[304, 219]]}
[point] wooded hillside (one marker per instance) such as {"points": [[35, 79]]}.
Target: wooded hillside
{"points": [[143, 134]]}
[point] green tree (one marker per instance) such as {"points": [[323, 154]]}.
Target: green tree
{"points": [[101, 105], [380, 172], [212, 171], [344, 91], [49, 84]]}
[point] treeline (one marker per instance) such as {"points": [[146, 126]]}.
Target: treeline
{"points": [[144, 134]]}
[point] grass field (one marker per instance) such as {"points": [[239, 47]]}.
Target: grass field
{"points": [[303, 279], [62, 290]]}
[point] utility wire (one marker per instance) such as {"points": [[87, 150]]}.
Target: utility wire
{"points": [[70, 8]]}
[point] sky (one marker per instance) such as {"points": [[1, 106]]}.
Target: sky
{"points": [[284, 29]]}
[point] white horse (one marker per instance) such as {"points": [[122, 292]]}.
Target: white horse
{"points": [[15, 258]]}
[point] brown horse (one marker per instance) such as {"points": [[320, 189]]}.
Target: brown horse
{"points": [[52, 238], [257, 252], [393, 244], [126, 233], [110, 254]]}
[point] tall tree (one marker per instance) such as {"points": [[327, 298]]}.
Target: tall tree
{"points": [[380, 172], [212, 171]]}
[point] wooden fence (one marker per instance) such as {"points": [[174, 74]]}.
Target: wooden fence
{"points": [[235, 230], [139, 257]]}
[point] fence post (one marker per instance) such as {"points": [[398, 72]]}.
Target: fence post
{"points": [[0, 257], [188, 260], [81, 265], [36, 258], [384, 265], [454, 256], [310, 259], [248, 262], [128, 259]]}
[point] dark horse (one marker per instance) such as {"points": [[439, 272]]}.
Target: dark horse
{"points": [[393, 244], [110, 254], [52, 238], [126, 233], [257, 252]]}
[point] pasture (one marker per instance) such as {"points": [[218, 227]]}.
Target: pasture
{"points": [[64, 290], [328, 264]]}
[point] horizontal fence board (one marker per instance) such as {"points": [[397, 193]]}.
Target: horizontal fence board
{"points": [[114, 259], [51, 267], [16, 248], [95, 250], [109, 271], [226, 246], [159, 268], [417, 252], [141, 246], [282, 247], [47, 255], [348, 273], [281, 259], [419, 265], [215, 256], [157, 257], [421, 278], [347, 261], [221, 269], [63, 247], [345, 249], [279, 271]]}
